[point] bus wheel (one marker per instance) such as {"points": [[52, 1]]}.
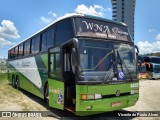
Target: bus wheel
{"points": [[13, 81], [17, 83], [46, 94]]}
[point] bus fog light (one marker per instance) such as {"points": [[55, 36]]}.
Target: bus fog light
{"points": [[98, 96], [89, 107], [90, 97]]}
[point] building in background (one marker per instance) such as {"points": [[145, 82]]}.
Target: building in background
{"points": [[123, 11], [3, 65]]}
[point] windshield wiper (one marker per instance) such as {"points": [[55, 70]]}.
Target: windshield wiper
{"points": [[111, 67], [121, 61], [99, 62]]}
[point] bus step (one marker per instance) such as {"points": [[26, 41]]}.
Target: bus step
{"points": [[71, 109]]}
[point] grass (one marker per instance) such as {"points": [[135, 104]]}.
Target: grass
{"points": [[3, 77], [13, 99], [7, 92]]}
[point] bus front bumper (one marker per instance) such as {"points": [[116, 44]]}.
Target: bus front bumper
{"points": [[89, 107]]}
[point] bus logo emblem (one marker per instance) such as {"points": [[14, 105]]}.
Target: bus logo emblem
{"points": [[120, 75]]}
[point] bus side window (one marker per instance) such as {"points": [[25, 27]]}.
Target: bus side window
{"points": [[27, 47], [44, 41], [20, 51], [37, 43], [16, 52], [32, 45], [50, 37]]}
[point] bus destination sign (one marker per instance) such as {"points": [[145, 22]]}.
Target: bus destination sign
{"points": [[101, 29]]}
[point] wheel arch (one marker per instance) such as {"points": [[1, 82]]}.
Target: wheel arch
{"points": [[13, 76], [44, 88]]}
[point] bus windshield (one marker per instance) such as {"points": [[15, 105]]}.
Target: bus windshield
{"points": [[156, 68], [105, 60], [155, 60]]}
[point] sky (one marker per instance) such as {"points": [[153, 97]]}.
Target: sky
{"points": [[20, 19]]}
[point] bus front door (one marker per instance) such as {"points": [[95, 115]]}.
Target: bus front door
{"points": [[69, 77], [55, 82]]}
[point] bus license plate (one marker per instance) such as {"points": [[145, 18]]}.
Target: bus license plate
{"points": [[116, 104]]}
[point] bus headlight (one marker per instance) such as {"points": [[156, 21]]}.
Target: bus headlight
{"points": [[90, 96]]}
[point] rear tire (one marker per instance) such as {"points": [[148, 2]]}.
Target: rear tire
{"points": [[17, 83]]}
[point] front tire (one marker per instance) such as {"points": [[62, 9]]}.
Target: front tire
{"points": [[46, 94], [13, 81]]}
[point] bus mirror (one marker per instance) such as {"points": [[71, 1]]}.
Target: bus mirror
{"points": [[137, 48], [74, 57]]}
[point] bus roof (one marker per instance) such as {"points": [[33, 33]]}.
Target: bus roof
{"points": [[69, 16], [151, 56], [104, 19]]}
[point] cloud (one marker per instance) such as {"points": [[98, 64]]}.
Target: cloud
{"points": [[158, 37], [4, 42], [65, 15], [52, 14], [45, 20], [148, 47], [98, 7], [92, 10], [51, 17], [97, 10], [8, 31], [109, 9], [152, 30]]}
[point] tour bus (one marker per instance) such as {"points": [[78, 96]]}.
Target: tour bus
{"points": [[141, 68], [85, 64], [152, 66]]}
